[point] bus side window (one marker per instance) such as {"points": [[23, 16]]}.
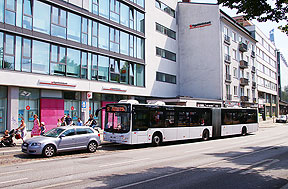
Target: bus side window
{"points": [[140, 120], [170, 119]]}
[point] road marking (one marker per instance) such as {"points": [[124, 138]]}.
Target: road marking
{"points": [[189, 151], [19, 171], [190, 169], [125, 162], [60, 184], [10, 151], [5, 182]]}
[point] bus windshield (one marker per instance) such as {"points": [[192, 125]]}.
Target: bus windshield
{"points": [[117, 119]]}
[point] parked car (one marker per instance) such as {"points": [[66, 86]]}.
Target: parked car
{"points": [[281, 119], [62, 139]]}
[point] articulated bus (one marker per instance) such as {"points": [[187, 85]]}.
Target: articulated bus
{"points": [[129, 122]]}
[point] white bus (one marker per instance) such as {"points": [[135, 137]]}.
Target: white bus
{"points": [[134, 123]]}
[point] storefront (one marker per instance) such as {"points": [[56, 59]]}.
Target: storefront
{"points": [[28, 106], [3, 109], [72, 104]]}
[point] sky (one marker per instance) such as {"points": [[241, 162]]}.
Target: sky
{"points": [[281, 39]]}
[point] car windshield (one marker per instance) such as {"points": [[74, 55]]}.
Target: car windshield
{"points": [[54, 132], [117, 122], [283, 116]]}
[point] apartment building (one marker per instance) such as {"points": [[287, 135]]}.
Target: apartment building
{"points": [[266, 60], [217, 56], [282, 83]]}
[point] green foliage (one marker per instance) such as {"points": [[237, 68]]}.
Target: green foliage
{"points": [[260, 10]]}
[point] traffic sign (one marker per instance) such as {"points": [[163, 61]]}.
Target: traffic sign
{"points": [[83, 105], [27, 107]]}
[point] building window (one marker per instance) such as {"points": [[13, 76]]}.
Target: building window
{"points": [[114, 40], [103, 68], [139, 70], [140, 48], [234, 37], [165, 8], [73, 63], [9, 52], [166, 31], [124, 69], [226, 50], [124, 16], [165, 78], [58, 60], [166, 54], [58, 25], [84, 31], [74, 27], [41, 12], [103, 37], [95, 6], [84, 65], [140, 22], [10, 12], [26, 55], [235, 72], [114, 10], [114, 70], [104, 10], [234, 54], [235, 91], [124, 43], [95, 34], [27, 14]]}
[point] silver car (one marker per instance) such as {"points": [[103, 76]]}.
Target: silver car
{"points": [[62, 139]]}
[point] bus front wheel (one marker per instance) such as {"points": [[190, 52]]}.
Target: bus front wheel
{"points": [[205, 135], [157, 139]]}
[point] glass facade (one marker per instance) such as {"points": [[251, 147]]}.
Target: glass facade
{"points": [[27, 55], [72, 104], [3, 109], [28, 105]]}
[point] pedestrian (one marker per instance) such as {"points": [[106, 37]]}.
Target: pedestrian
{"points": [[79, 122], [63, 122], [59, 123], [42, 128], [22, 129], [91, 121], [68, 120], [36, 127]]}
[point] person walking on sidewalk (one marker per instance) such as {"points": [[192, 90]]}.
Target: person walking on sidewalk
{"points": [[22, 129], [59, 123], [36, 127], [42, 128], [79, 122]]}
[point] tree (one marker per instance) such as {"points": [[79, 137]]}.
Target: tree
{"points": [[261, 10]]}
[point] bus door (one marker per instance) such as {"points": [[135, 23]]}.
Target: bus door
{"points": [[140, 124]]}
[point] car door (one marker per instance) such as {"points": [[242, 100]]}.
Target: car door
{"points": [[82, 137], [67, 141]]}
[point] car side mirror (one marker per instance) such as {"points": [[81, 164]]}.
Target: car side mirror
{"points": [[61, 136]]}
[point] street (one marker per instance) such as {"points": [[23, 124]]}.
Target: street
{"points": [[259, 160]]}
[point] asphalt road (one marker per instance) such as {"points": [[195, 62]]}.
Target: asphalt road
{"points": [[254, 161]]}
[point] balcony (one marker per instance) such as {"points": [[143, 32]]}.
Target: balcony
{"points": [[228, 78], [253, 69], [243, 64], [244, 81], [228, 97], [254, 85], [227, 39], [244, 98], [227, 58], [253, 54], [243, 47]]}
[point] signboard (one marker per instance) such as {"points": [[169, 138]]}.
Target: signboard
{"points": [[31, 115], [20, 114], [200, 25], [114, 89], [83, 104], [72, 108], [28, 107], [56, 83], [89, 95]]}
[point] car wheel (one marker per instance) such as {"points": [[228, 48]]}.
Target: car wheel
{"points": [[49, 151], [92, 147]]}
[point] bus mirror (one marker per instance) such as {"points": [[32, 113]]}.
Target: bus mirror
{"points": [[98, 110]]}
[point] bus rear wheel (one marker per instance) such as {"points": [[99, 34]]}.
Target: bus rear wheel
{"points": [[244, 131], [205, 135], [156, 139]]}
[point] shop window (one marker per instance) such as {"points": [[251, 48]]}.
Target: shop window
{"points": [[72, 104], [28, 105]]}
